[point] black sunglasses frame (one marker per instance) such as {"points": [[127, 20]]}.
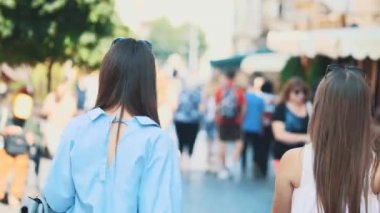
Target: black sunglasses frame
{"points": [[299, 91], [145, 42], [345, 68]]}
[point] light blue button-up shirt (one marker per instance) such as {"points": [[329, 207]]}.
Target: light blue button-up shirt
{"points": [[144, 176]]}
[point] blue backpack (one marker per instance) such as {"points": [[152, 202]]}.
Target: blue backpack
{"points": [[188, 105], [229, 107]]}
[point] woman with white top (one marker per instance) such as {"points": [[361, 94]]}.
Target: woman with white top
{"points": [[338, 172]]}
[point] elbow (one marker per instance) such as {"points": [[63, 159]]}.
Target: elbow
{"points": [[277, 135]]}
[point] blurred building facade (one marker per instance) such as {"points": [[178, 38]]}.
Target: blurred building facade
{"points": [[248, 25], [346, 31], [254, 18]]}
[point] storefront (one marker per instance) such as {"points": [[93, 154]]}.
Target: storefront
{"points": [[359, 46]]}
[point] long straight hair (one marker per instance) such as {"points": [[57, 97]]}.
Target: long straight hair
{"points": [[128, 80], [340, 130]]}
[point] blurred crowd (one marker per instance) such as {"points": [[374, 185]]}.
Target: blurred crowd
{"points": [[245, 117], [251, 117], [227, 112]]}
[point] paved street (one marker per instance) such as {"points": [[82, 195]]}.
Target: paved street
{"points": [[205, 193]]}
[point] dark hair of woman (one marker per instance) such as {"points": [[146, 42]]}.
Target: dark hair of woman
{"points": [[295, 83], [128, 79]]}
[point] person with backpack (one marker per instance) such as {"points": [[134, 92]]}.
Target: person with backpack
{"points": [[230, 103], [14, 156], [187, 117]]}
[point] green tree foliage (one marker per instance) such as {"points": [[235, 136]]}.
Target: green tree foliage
{"points": [[168, 39], [52, 31], [292, 68], [56, 30]]}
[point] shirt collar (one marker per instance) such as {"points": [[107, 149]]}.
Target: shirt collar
{"points": [[95, 113], [145, 121], [142, 120]]}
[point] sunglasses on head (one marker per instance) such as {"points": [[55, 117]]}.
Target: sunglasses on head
{"points": [[298, 91], [144, 42], [344, 68]]}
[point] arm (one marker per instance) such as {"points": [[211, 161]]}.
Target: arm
{"points": [[59, 190], [281, 134], [287, 178], [12, 130], [30, 138], [376, 182], [160, 189], [242, 103]]}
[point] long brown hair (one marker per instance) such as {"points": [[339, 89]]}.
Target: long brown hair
{"points": [[128, 79], [340, 130], [292, 84]]}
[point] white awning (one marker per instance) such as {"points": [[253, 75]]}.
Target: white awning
{"points": [[356, 42], [264, 62], [353, 6]]}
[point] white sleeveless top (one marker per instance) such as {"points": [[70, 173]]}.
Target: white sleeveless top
{"points": [[304, 197]]}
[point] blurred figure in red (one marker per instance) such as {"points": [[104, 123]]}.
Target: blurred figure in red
{"points": [[230, 103]]}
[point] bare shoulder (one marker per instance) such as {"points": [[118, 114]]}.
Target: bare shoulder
{"points": [[292, 154], [291, 166]]}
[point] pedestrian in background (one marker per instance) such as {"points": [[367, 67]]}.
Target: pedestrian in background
{"points": [[14, 156], [187, 117], [290, 119], [270, 105], [80, 87], [339, 171], [230, 104], [59, 108], [116, 158], [208, 109], [253, 126]]}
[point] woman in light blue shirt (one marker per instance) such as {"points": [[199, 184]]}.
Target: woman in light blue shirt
{"points": [[116, 158]]}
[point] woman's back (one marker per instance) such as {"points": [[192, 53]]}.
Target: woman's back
{"points": [[142, 177], [304, 197]]}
